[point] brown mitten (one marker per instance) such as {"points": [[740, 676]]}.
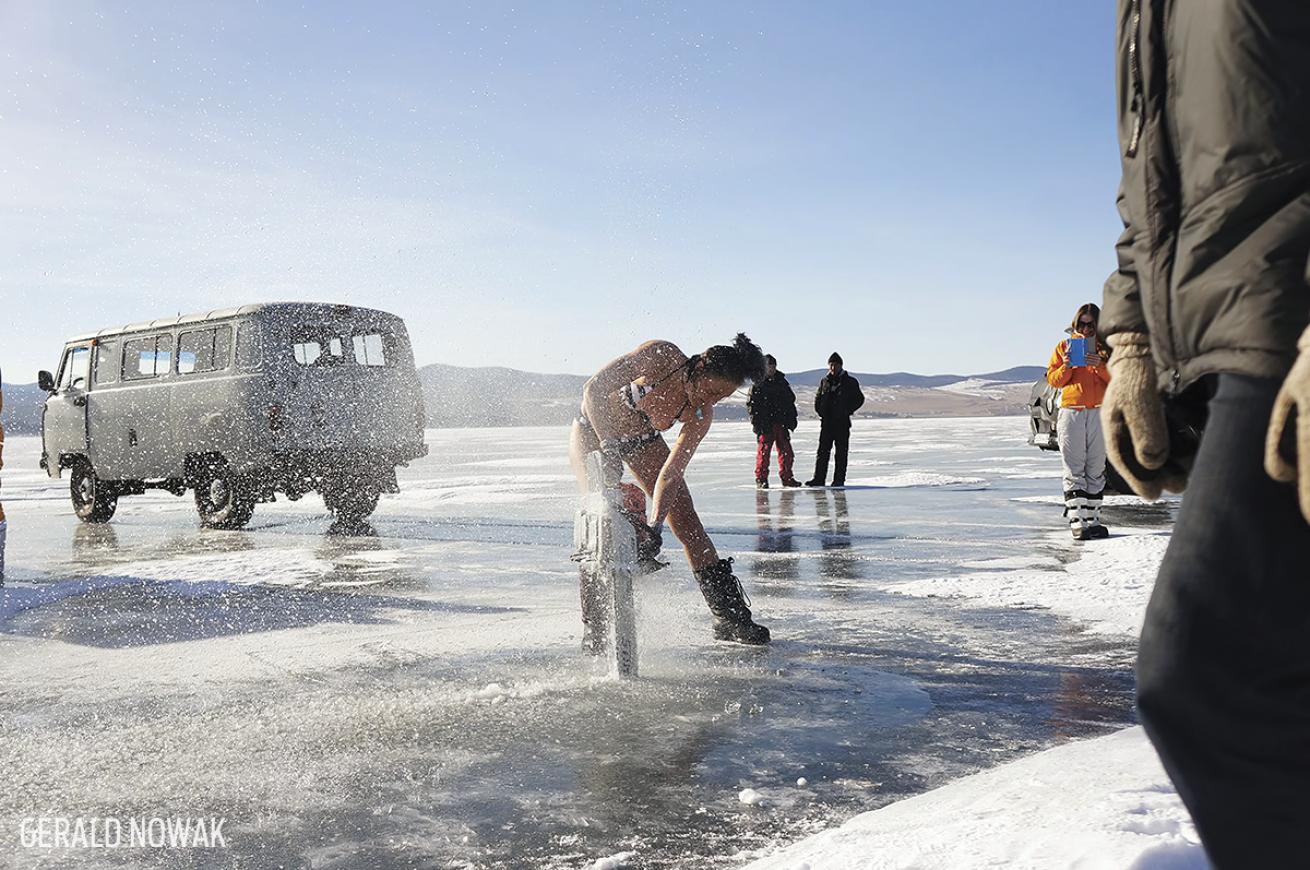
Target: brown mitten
{"points": [[1293, 397], [1132, 415]]}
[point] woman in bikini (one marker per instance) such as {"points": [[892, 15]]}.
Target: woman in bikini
{"points": [[625, 407]]}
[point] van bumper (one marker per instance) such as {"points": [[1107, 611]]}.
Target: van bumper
{"points": [[296, 472]]}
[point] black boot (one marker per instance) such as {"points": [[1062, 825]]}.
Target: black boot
{"points": [[727, 601]]}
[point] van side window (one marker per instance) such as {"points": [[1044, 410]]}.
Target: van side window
{"points": [[368, 350], [204, 350], [147, 357], [307, 352], [106, 363], [77, 369], [250, 346]]}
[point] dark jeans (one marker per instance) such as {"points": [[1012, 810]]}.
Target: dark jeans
{"points": [[1223, 672], [833, 433]]}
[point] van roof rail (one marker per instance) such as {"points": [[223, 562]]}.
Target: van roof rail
{"points": [[288, 308]]}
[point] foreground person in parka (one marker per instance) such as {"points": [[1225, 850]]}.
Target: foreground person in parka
{"points": [[1203, 314], [625, 407]]}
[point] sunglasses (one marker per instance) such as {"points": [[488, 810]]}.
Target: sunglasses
{"points": [[1087, 323]]}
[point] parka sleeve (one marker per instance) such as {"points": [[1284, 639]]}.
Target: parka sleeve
{"points": [[1121, 303], [1057, 373]]}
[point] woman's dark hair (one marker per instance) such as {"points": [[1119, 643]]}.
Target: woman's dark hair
{"points": [[1087, 308], [741, 361]]}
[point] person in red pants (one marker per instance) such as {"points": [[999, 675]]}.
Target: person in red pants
{"points": [[772, 406]]}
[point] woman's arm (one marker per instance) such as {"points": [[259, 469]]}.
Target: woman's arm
{"points": [[675, 467], [1058, 372]]}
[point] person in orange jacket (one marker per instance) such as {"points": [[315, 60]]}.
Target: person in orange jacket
{"points": [[1078, 429]]}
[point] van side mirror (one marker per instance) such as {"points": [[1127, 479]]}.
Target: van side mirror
{"points": [[45, 381]]}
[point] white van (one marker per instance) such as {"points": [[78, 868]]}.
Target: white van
{"points": [[236, 405]]}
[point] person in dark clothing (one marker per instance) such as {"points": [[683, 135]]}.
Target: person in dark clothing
{"points": [[1202, 316], [838, 398], [772, 407]]}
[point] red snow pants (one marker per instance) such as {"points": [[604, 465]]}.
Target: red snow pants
{"points": [[764, 444]]}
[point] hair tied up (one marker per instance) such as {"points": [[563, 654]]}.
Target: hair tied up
{"points": [[741, 361]]}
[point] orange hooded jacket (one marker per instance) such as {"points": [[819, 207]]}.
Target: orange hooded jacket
{"points": [[1080, 386]]}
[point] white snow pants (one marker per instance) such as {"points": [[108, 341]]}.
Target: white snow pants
{"points": [[1082, 448]]}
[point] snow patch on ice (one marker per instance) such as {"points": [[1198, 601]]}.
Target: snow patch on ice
{"points": [[916, 478], [614, 862], [289, 568], [1095, 803], [1032, 560], [750, 797], [1106, 589]]}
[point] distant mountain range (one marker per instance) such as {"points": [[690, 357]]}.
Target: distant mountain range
{"points": [[457, 396], [22, 413], [1016, 375]]}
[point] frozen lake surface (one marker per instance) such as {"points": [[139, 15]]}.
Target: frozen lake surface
{"points": [[415, 696]]}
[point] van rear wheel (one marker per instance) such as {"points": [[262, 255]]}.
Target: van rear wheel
{"points": [[224, 499], [94, 501], [352, 499]]}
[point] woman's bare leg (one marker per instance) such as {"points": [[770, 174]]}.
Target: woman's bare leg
{"points": [[582, 440], [684, 522]]}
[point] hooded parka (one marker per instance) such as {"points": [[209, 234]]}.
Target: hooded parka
{"points": [[1214, 134]]}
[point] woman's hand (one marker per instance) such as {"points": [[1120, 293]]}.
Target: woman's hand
{"points": [[657, 510]]}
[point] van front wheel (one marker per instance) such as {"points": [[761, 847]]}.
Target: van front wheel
{"points": [[94, 501], [224, 499]]}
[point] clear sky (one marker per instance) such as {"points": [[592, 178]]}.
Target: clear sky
{"points": [[924, 186]]}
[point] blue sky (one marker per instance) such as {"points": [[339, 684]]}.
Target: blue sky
{"points": [[925, 186]]}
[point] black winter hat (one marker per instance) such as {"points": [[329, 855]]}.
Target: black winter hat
{"points": [[835, 358]]}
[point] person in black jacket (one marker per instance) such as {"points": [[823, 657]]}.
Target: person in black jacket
{"points": [[772, 407], [1203, 316], [838, 398]]}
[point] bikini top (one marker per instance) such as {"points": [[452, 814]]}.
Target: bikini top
{"points": [[634, 392]]}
